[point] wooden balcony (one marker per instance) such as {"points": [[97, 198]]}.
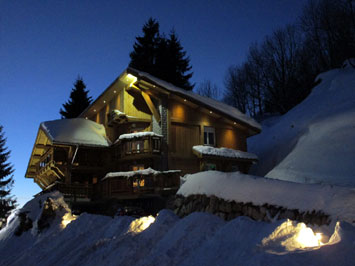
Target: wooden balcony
{"points": [[140, 186], [140, 147], [75, 191]]}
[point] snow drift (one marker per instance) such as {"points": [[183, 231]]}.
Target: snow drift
{"points": [[314, 142], [198, 239], [338, 202]]}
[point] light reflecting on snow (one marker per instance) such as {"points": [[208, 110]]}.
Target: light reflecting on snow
{"points": [[291, 236], [307, 238], [67, 219], [141, 224]]}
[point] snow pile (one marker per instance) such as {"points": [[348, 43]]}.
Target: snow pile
{"points": [[76, 131], [213, 104], [224, 152], [144, 172], [338, 202], [314, 142], [138, 135], [198, 239]]}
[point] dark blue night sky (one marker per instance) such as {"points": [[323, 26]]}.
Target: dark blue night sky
{"points": [[45, 45]]}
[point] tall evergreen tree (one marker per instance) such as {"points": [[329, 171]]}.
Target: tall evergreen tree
{"points": [[162, 57], [7, 203], [77, 102], [173, 63], [144, 52]]}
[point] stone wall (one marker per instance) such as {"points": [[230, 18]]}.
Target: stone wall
{"points": [[229, 210]]}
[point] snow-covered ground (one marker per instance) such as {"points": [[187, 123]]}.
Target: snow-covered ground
{"points": [[198, 239], [315, 141]]}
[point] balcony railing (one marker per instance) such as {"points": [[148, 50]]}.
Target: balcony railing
{"points": [[144, 144], [76, 191]]}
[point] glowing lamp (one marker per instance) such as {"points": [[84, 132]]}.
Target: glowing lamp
{"points": [[132, 79]]}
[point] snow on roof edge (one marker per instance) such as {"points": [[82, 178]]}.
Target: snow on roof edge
{"points": [[128, 174], [224, 152]]}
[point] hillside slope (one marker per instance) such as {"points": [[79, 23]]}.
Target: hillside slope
{"points": [[315, 141]]}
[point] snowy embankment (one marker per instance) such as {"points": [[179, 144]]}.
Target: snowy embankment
{"points": [[314, 142], [337, 202], [198, 239]]}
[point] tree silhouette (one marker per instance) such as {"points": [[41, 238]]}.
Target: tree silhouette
{"points": [[7, 203], [78, 100], [162, 57]]}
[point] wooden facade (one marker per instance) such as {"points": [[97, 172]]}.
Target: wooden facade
{"points": [[135, 103]]}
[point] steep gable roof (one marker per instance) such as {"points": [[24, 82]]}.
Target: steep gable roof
{"points": [[212, 104]]}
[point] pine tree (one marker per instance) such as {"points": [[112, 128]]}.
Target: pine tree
{"points": [[144, 51], [77, 102], [161, 57], [7, 203], [177, 63]]}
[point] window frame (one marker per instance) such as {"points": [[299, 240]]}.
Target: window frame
{"points": [[206, 137]]}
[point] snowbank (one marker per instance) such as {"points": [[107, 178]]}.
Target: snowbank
{"points": [[314, 142], [76, 131], [338, 202], [224, 152], [198, 239]]}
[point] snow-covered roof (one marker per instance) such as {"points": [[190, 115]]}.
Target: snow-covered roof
{"points": [[78, 131], [211, 103], [338, 202], [144, 172], [224, 152]]}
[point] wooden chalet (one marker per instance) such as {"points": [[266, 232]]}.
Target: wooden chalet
{"points": [[139, 122]]}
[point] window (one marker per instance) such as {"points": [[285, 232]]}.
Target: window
{"points": [[138, 167], [209, 166], [209, 136]]}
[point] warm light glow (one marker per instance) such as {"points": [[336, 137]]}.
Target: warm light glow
{"points": [[141, 224], [132, 79], [307, 238], [234, 123], [104, 101], [114, 91], [291, 236], [67, 219], [94, 110], [184, 100], [86, 117], [210, 112]]}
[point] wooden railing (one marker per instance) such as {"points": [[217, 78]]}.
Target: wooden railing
{"points": [[75, 190], [144, 145], [138, 185]]}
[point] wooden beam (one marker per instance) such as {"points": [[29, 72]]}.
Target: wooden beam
{"points": [[41, 146], [151, 106]]}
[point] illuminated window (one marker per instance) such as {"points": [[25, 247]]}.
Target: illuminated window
{"points": [[138, 182], [138, 167], [209, 136]]}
